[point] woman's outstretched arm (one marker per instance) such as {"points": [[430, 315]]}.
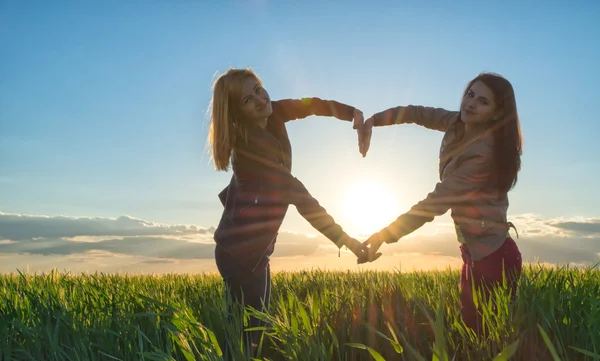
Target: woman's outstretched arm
{"points": [[428, 117], [292, 109], [456, 189], [280, 187]]}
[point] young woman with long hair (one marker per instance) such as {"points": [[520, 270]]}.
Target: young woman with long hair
{"points": [[479, 159], [248, 134]]}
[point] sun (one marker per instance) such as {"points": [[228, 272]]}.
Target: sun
{"points": [[369, 206]]}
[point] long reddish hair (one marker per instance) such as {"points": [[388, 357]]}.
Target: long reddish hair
{"points": [[508, 139]]}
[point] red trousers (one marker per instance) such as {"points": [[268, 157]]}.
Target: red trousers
{"points": [[486, 274]]}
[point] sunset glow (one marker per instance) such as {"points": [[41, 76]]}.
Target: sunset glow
{"points": [[369, 206]]}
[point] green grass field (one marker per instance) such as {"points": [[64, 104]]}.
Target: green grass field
{"points": [[314, 316]]}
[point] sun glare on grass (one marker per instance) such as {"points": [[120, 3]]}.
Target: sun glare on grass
{"points": [[370, 206]]}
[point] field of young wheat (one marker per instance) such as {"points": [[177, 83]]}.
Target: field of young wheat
{"points": [[314, 316]]}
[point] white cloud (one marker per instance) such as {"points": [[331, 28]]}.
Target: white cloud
{"points": [[131, 244], [22, 226], [58, 235], [584, 227]]}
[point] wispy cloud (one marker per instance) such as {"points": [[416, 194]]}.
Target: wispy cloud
{"points": [[586, 227], [129, 242], [23, 227], [58, 235]]}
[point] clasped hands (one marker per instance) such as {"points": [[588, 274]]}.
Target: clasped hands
{"points": [[366, 251]]}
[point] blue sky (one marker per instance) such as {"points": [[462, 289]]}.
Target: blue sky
{"points": [[103, 103]]}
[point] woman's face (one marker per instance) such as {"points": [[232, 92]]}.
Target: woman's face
{"points": [[255, 104], [478, 105]]}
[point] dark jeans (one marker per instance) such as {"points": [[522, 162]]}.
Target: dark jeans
{"points": [[245, 287], [486, 274]]}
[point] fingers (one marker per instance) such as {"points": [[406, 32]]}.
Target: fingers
{"points": [[366, 257], [362, 142], [358, 124], [364, 135], [369, 249], [375, 257], [366, 244], [364, 130], [372, 245], [359, 120], [371, 241], [362, 255]]}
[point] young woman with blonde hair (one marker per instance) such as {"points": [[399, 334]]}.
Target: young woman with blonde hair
{"points": [[248, 134]]}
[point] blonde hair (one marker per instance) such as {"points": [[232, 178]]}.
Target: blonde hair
{"points": [[225, 126]]}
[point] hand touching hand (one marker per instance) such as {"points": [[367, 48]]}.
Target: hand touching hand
{"points": [[359, 121], [364, 136], [357, 248], [371, 245]]}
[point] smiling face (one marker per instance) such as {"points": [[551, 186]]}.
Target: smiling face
{"points": [[478, 105], [255, 104]]}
